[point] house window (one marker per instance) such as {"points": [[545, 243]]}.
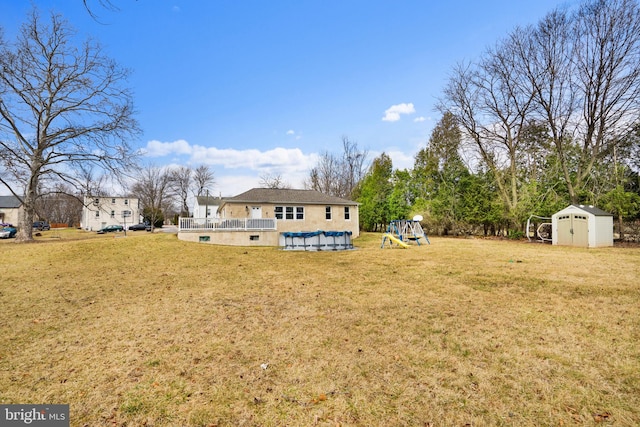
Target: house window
{"points": [[96, 201], [126, 201], [254, 237], [289, 212], [327, 213], [97, 214], [347, 213], [113, 201], [113, 214]]}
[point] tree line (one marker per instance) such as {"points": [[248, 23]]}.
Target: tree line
{"points": [[456, 198], [548, 116]]}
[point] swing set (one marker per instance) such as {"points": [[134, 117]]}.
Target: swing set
{"points": [[403, 231]]}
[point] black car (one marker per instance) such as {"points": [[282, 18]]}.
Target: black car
{"points": [[137, 227], [41, 225], [110, 229]]}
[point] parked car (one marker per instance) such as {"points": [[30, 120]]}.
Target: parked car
{"points": [[142, 226], [41, 225], [7, 231], [110, 229]]}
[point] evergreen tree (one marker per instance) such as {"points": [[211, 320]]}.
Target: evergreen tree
{"points": [[374, 192]]}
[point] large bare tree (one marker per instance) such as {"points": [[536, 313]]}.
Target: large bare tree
{"points": [[63, 104]]}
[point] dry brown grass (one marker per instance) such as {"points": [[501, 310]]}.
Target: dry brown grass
{"points": [[148, 330]]}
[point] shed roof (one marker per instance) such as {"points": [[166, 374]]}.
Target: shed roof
{"points": [[10, 202], [288, 196], [591, 210]]}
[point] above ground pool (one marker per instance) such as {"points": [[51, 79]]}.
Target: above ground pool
{"points": [[316, 240]]}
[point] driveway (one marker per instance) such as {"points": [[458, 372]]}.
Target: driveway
{"points": [[167, 229]]}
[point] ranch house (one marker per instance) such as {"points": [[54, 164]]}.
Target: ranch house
{"points": [[261, 216]]}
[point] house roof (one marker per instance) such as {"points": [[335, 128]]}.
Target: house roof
{"points": [[10, 202], [288, 196], [590, 209], [203, 200]]}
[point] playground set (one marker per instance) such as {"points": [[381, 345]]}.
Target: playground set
{"points": [[403, 231]]}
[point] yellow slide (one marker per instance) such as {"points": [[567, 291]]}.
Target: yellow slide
{"points": [[395, 239]]}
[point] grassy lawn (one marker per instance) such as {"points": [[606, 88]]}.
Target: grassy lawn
{"points": [[149, 330]]}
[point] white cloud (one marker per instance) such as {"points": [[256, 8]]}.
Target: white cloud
{"points": [[293, 133], [230, 158], [244, 166], [159, 149], [419, 119], [392, 114], [232, 185]]}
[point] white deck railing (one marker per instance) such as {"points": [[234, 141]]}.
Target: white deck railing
{"points": [[226, 224]]}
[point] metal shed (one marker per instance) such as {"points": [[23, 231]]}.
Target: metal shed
{"points": [[582, 226]]}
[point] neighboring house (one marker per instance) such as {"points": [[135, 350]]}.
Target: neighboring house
{"points": [[10, 209], [98, 212], [206, 207], [259, 217]]}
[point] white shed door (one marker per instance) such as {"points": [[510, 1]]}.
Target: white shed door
{"points": [[573, 230], [565, 233], [580, 227]]}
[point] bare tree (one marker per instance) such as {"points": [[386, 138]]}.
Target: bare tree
{"points": [[585, 73], [91, 182], [492, 103], [103, 4], [325, 176], [203, 179], [60, 206], [355, 168], [575, 75], [273, 181], [181, 184], [153, 189], [339, 176], [62, 105]]}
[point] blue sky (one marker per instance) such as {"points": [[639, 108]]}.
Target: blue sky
{"points": [[265, 87]]}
